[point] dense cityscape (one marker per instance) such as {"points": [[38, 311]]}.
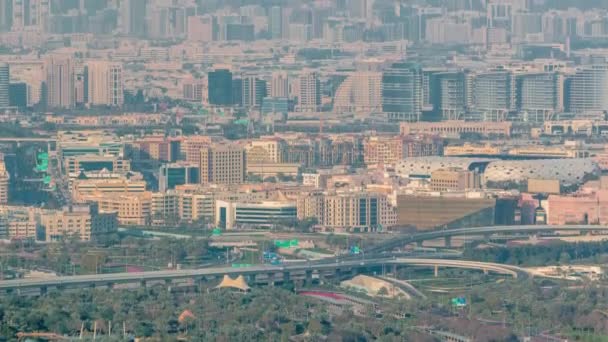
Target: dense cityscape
{"points": [[304, 170]]}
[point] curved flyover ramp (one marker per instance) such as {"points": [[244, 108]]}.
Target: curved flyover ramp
{"points": [[514, 271]]}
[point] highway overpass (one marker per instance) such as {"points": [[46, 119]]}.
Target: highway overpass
{"points": [[403, 240], [28, 139], [269, 274]]}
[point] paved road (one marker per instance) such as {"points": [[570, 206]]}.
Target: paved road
{"points": [[32, 139], [113, 278], [322, 265], [419, 237]]}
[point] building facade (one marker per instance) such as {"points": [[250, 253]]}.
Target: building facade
{"points": [[222, 164], [402, 96], [105, 84], [60, 82]]}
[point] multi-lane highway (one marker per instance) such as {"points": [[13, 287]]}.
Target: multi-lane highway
{"points": [[331, 264], [350, 265], [447, 233]]}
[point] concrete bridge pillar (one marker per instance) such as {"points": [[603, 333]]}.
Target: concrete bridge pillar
{"points": [[308, 277], [419, 243], [270, 279], [485, 271], [436, 271], [322, 277], [394, 270], [447, 242], [286, 277]]}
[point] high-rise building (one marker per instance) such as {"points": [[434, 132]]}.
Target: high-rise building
{"points": [[60, 81], [500, 13], [6, 15], [19, 11], [238, 31], [4, 182], [4, 85], [361, 9], [402, 92], [254, 91], [275, 105], [220, 87], [275, 22], [30, 13], [448, 95], [279, 85], [539, 95], [133, 17], [222, 164], [585, 90], [104, 83], [299, 32], [525, 24], [494, 95], [237, 91], [309, 98], [200, 28], [166, 21], [18, 94], [360, 92], [319, 18]]}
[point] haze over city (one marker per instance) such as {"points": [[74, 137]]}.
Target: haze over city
{"points": [[304, 170]]}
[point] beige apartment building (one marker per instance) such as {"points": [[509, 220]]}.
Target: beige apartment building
{"points": [[182, 207], [76, 221], [354, 211], [392, 149], [82, 188], [21, 229], [471, 149], [222, 164], [191, 147], [456, 127], [266, 150], [18, 222], [131, 209], [454, 179], [164, 207], [385, 150], [83, 222]]}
